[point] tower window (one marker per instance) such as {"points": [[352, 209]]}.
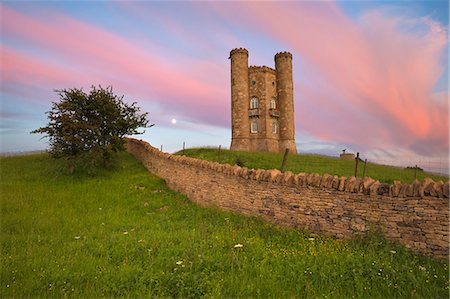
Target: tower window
{"points": [[254, 126], [254, 103], [253, 82], [273, 103], [275, 127]]}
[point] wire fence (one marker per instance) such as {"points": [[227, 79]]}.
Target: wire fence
{"points": [[432, 166], [384, 170]]}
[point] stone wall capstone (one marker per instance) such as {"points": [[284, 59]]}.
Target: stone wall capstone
{"points": [[416, 215]]}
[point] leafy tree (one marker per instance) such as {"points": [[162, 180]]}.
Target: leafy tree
{"points": [[91, 124]]}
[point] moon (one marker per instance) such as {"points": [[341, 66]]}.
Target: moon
{"points": [[174, 121]]}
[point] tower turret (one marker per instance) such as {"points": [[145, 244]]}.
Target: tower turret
{"points": [[262, 104], [285, 92], [239, 99]]}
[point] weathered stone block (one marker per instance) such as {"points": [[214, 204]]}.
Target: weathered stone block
{"points": [[226, 169], [446, 189], [244, 172], [259, 174], [251, 174], [300, 179], [323, 182], [309, 178], [358, 224], [420, 245], [274, 173], [279, 178], [402, 192], [316, 180], [350, 184], [329, 182], [374, 187], [438, 189], [288, 178], [441, 243], [335, 184], [236, 170], [342, 181], [416, 187], [266, 175], [409, 190], [427, 185], [395, 188], [357, 185]]}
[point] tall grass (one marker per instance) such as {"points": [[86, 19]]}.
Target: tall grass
{"points": [[311, 164], [123, 233]]}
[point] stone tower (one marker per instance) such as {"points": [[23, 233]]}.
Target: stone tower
{"points": [[262, 104]]}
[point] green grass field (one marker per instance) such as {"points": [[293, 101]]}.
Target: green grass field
{"points": [[123, 233], [310, 164]]}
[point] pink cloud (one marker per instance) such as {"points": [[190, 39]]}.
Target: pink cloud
{"points": [[112, 59], [373, 78], [372, 68], [20, 67]]}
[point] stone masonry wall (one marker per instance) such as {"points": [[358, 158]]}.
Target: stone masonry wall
{"points": [[415, 215]]}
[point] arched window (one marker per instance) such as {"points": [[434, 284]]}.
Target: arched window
{"points": [[254, 103], [273, 103], [254, 126], [274, 127]]}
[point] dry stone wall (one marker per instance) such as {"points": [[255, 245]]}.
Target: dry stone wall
{"points": [[415, 215]]}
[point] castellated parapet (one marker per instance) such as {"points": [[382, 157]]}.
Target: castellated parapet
{"points": [[262, 104]]}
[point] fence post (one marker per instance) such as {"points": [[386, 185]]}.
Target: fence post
{"points": [[218, 153], [286, 152], [356, 165], [183, 147], [161, 147], [364, 171]]}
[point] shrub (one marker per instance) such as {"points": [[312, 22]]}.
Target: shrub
{"points": [[90, 125]]}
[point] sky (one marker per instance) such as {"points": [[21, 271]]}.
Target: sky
{"points": [[369, 76]]}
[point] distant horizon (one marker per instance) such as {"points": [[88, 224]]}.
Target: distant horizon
{"points": [[431, 166]]}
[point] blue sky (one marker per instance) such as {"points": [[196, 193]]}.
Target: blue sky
{"points": [[370, 76]]}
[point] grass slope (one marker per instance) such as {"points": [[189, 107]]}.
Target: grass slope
{"points": [[310, 164], [124, 233]]}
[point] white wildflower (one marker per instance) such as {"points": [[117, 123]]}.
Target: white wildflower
{"points": [[238, 246], [393, 251], [77, 237], [311, 239], [179, 262], [125, 233]]}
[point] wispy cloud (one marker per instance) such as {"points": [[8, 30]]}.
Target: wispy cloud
{"points": [[367, 82], [96, 56], [376, 74]]}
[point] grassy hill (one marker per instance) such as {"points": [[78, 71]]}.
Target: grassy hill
{"points": [[124, 233], [310, 164]]}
